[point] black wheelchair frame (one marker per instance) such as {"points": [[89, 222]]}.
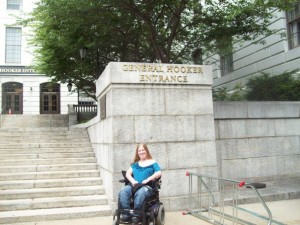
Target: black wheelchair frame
{"points": [[153, 211]]}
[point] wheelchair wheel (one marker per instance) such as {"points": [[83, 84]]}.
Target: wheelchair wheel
{"points": [[160, 219], [115, 219], [115, 222], [151, 220]]}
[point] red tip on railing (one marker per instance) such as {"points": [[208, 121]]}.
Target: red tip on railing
{"points": [[186, 212], [187, 173], [242, 183]]}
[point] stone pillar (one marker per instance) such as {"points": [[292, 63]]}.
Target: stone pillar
{"points": [[167, 106]]}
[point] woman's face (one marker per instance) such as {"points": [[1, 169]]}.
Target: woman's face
{"points": [[142, 153]]}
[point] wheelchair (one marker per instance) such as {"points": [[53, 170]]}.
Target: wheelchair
{"points": [[153, 211]]}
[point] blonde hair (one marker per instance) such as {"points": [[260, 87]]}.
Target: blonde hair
{"points": [[136, 157]]}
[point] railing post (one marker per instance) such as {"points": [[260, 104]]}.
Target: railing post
{"points": [[72, 115], [1, 117]]}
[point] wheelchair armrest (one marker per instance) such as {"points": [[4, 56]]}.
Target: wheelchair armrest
{"points": [[124, 180], [156, 183]]}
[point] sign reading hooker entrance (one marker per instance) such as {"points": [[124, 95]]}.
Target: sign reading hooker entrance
{"points": [[162, 73], [153, 73], [16, 70]]}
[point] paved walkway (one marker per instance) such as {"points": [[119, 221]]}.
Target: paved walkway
{"points": [[282, 197], [285, 212]]}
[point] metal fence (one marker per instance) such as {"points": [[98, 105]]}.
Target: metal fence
{"points": [[216, 200]]}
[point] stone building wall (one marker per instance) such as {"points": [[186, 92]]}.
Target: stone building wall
{"points": [[169, 107], [258, 140]]}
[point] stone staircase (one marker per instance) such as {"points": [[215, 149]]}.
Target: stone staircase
{"points": [[47, 172]]}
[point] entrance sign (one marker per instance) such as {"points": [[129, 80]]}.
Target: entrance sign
{"points": [[16, 70], [151, 73]]}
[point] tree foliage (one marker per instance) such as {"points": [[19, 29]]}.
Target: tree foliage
{"points": [[168, 31]]}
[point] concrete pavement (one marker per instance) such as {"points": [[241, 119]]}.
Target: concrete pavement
{"points": [[285, 212], [172, 218]]}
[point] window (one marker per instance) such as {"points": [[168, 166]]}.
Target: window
{"points": [[226, 64], [293, 19], [13, 4], [13, 45]]}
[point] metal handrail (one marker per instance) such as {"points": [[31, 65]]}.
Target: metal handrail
{"points": [[212, 200], [3, 108], [1, 114]]}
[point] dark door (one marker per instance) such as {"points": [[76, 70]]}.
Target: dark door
{"points": [[50, 98], [12, 100], [50, 103]]}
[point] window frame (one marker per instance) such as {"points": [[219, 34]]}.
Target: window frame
{"points": [[226, 64], [11, 6], [293, 22], [13, 45]]}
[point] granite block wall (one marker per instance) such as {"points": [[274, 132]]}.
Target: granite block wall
{"points": [[258, 140], [175, 120]]}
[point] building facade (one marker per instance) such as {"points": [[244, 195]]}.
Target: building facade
{"points": [[22, 90], [278, 54]]}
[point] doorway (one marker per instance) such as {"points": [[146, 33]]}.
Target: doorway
{"points": [[12, 98], [50, 98]]}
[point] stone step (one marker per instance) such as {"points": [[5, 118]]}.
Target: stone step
{"points": [[51, 192], [46, 125], [45, 150], [43, 168], [42, 134], [34, 121], [53, 214], [39, 161], [49, 183], [50, 141], [53, 202], [25, 129], [43, 145], [44, 138], [48, 175], [22, 130], [48, 155]]}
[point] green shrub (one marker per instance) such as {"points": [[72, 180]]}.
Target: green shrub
{"points": [[283, 87], [222, 94]]}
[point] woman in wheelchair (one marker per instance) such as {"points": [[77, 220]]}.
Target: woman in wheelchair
{"points": [[142, 173]]}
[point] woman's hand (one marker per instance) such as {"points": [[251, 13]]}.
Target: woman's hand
{"points": [[156, 175], [145, 181], [134, 182]]}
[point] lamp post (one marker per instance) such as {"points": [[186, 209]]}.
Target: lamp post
{"points": [[82, 52], [69, 85]]}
